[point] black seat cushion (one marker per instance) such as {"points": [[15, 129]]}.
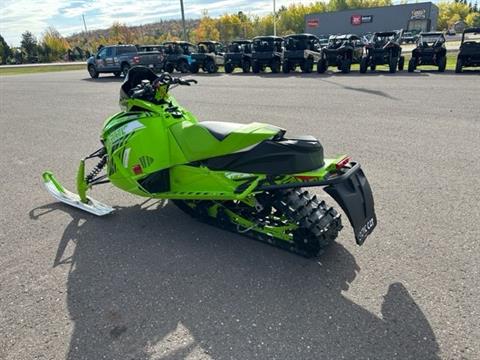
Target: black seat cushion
{"points": [[272, 157]]}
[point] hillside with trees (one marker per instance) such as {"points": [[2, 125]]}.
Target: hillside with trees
{"points": [[52, 46]]}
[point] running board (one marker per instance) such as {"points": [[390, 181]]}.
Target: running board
{"points": [[63, 195]]}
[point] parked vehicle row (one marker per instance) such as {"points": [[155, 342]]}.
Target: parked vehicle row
{"points": [[288, 53]]}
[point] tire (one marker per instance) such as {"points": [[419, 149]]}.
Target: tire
{"points": [[275, 66], [392, 67], [211, 67], [169, 67], [363, 65], [125, 68], [117, 73], [346, 66], [412, 65], [194, 68], [255, 67], [401, 63], [246, 66], [229, 68], [92, 72], [322, 66], [442, 64], [308, 66], [459, 66], [183, 67], [286, 67]]}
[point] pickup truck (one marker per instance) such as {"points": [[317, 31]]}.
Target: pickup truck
{"points": [[118, 59]]}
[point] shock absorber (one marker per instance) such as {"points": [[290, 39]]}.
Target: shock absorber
{"points": [[96, 170]]}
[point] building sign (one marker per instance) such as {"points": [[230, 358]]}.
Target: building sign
{"points": [[418, 14], [313, 23], [367, 19], [356, 19], [361, 19]]}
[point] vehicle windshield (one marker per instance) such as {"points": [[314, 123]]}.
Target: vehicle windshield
{"points": [[431, 39], [382, 40], [299, 43], [475, 37], [266, 45]]}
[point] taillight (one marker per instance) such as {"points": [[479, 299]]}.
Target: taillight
{"points": [[136, 59], [343, 162]]}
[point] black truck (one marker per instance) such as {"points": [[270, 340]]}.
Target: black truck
{"points": [[300, 50], [208, 57], [383, 48], [118, 59], [239, 54], [178, 56], [469, 54], [430, 50], [267, 52], [342, 51]]}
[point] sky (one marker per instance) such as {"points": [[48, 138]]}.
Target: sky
{"points": [[17, 16]]}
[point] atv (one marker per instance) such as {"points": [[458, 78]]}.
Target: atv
{"points": [[300, 50], [178, 56], [244, 178], [383, 49], [342, 51], [267, 51], [208, 57], [469, 54], [239, 54], [430, 50]]}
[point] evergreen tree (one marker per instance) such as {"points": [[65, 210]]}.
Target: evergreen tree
{"points": [[5, 51], [29, 45]]}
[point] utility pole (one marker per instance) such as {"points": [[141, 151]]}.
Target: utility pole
{"points": [[84, 23], [183, 22], [274, 20]]}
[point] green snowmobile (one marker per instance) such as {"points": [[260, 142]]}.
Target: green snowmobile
{"points": [[245, 178]]}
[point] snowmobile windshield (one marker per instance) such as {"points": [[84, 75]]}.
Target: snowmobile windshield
{"points": [[134, 78]]}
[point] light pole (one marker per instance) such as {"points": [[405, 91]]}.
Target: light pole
{"points": [[183, 22], [274, 20]]}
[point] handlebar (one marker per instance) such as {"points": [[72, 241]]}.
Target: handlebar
{"points": [[147, 91]]}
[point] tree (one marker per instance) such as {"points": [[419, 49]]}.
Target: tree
{"points": [[207, 29], [53, 46], [29, 45], [473, 19], [5, 51]]}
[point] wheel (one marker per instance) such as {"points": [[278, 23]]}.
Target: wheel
{"points": [[308, 66], [125, 68], [117, 73], [412, 65], [210, 66], [401, 63], [194, 68], [346, 66], [183, 67], [459, 66], [442, 64], [255, 67], [322, 66], [392, 66], [285, 67], [228, 68], [364, 65], [246, 66], [92, 71], [169, 67], [275, 65]]}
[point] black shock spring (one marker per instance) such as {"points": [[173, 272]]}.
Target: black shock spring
{"points": [[96, 170]]}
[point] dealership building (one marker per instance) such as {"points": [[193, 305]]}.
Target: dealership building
{"points": [[419, 16]]}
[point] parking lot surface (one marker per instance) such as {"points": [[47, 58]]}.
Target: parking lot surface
{"points": [[148, 282]]}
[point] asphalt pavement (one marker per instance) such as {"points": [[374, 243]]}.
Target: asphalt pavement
{"points": [[148, 282]]}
